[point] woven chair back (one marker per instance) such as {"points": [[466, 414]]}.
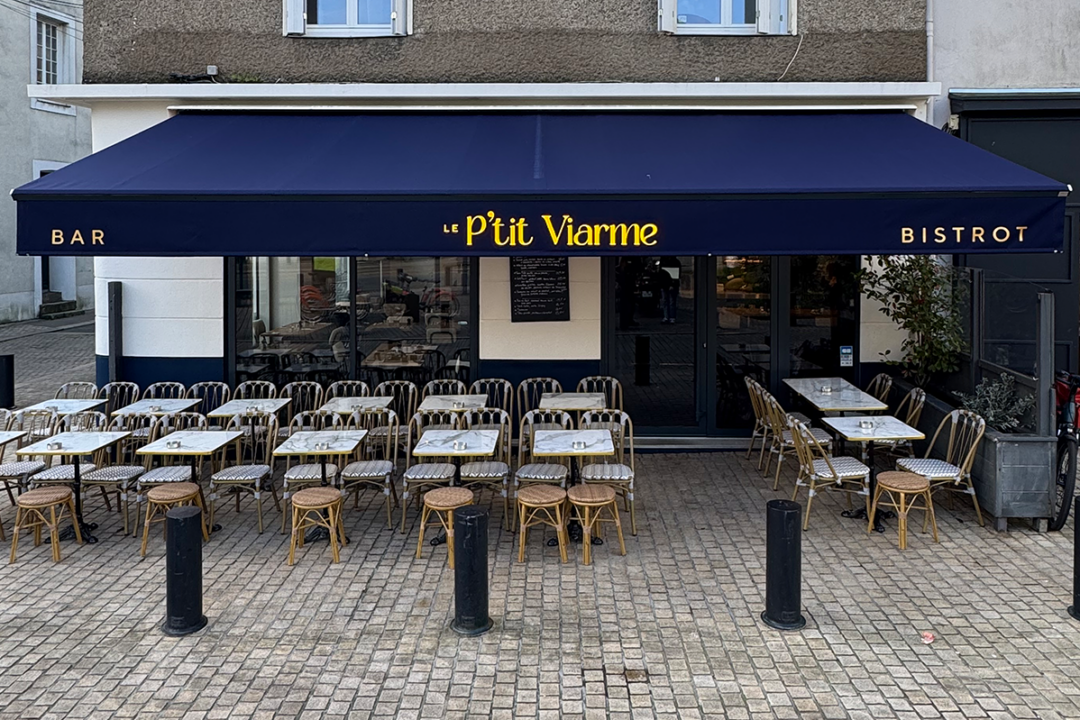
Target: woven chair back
{"points": [[965, 432], [348, 388], [880, 386], [118, 395], [535, 420], [315, 420], [608, 386], [257, 433], [500, 393], [622, 432], [77, 391], [87, 421], [5, 418], [377, 446], [808, 449], [775, 414], [255, 390], [492, 419], [530, 390], [754, 389], [404, 394], [445, 387], [37, 423], [422, 421], [306, 395], [910, 408], [211, 395], [165, 391], [185, 421]]}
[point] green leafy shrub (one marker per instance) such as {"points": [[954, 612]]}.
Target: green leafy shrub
{"points": [[997, 402]]}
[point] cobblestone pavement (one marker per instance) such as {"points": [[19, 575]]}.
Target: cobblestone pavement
{"points": [[48, 353], [671, 630]]}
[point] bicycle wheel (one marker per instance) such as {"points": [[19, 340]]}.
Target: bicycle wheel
{"points": [[1066, 481]]}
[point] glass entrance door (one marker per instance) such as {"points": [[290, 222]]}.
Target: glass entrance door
{"points": [[653, 351], [743, 331]]}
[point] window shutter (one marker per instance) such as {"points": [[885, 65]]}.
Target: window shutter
{"points": [[768, 18], [667, 12], [401, 17], [293, 21]]}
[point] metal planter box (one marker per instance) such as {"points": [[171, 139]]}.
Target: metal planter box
{"points": [[1013, 473]]}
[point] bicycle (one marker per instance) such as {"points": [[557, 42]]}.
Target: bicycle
{"points": [[1066, 387]]}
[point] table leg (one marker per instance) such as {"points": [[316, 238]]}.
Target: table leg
{"points": [[860, 513], [321, 533], [441, 537], [85, 528]]}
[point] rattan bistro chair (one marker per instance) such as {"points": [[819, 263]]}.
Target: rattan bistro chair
{"points": [[531, 390], [780, 433], [211, 395], [451, 386], [493, 473], [255, 477], [305, 395], [77, 391], [500, 394], [255, 390], [308, 472], [164, 391], [375, 468], [910, 411], [539, 470], [348, 388], [606, 385], [121, 475], [620, 474], [880, 386], [63, 472], [820, 469], [404, 399], [954, 471], [15, 472], [117, 395], [429, 472]]}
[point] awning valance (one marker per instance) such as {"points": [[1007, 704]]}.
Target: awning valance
{"points": [[211, 184]]}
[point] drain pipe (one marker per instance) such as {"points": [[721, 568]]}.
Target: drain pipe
{"points": [[930, 57]]}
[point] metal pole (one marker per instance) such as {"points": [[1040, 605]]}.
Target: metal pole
{"points": [[116, 329], [471, 571], [7, 381], [183, 571], [1074, 609], [783, 565], [1045, 405]]}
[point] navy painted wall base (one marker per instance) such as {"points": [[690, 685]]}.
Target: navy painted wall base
{"points": [[567, 372], [147, 370]]}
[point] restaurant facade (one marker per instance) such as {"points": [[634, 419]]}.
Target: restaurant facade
{"points": [[571, 214]]}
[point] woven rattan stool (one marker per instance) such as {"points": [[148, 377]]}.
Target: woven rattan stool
{"points": [[541, 505], [588, 503], [903, 488], [442, 502], [160, 499], [317, 507], [30, 512]]}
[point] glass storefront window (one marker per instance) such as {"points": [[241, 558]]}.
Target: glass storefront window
{"points": [[824, 291], [293, 319], [743, 335]]}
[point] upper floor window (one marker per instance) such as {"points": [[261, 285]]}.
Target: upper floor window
{"points": [[347, 18], [727, 17], [52, 54]]}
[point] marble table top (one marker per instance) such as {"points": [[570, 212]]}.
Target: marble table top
{"points": [[339, 442], [885, 427], [446, 402], [441, 443], [241, 406], [561, 442], [164, 407], [349, 405], [7, 436], [67, 407], [572, 401], [841, 397], [192, 442], [73, 443]]}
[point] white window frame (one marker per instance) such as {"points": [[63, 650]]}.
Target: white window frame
{"points": [[771, 20], [65, 55], [294, 22]]}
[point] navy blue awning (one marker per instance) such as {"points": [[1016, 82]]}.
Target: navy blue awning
{"points": [[216, 184]]}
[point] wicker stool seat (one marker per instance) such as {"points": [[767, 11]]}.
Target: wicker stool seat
{"points": [[442, 502], [160, 499], [902, 489], [541, 505], [30, 513], [317, 507], [589, 502]]}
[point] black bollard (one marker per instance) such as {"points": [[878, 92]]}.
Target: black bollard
{"points": [[183, 571], [471, 571], [1074, 609], [783, 565], [7, 381]]}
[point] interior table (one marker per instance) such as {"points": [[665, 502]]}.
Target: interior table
{"points": [[75, 444], [572, 401], [456, 444], [245, 405], [158, 407], [866, 430], [67, 407], [349, 405], [322, 444], [833, 394], [196, 444], [454, 403]]}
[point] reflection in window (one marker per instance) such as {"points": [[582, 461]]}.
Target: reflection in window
{"points": [[823, 296], [743, 337]]}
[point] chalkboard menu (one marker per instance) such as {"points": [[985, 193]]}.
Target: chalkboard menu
{"points": [[539, 289]]}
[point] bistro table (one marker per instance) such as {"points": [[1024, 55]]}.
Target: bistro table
{"points": [[67, 407], [196, 444], [158, 407], [833, 394], [453, 403], [572, 401], [244, 406], [560, 443], [469, 443], [75, 444], [322, 444], [878, 427], [349, 405]]}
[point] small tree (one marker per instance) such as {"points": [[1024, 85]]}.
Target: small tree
{"points": [[920, 295]]}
